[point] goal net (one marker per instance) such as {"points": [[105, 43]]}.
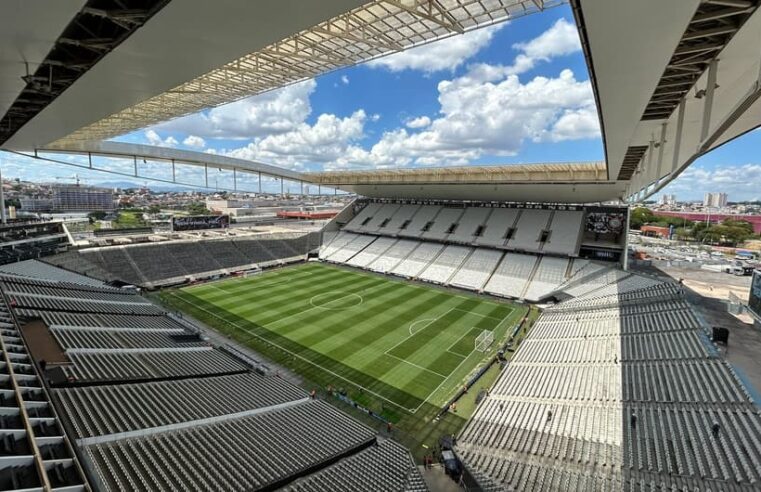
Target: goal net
{"points": [[484, 340]]}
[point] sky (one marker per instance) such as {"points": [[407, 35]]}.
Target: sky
{"points": [[518, 92]]}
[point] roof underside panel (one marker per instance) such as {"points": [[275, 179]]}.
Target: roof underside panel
{"points": [[183, 41], [27, 43], [99, 27], [630, 44]]}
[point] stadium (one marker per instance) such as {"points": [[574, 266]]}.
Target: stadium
{"points": [[485, 318]]}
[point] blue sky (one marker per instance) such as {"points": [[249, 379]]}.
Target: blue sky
{"points": [[514, 93]]}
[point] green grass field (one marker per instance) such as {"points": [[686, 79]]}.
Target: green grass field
{"points": [[405, 344]]}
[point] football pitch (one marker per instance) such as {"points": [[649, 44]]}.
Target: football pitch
{"points": [[405, 344]]}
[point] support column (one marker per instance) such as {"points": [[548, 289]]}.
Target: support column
{"points": [[678, 137], [3, 217], [235, 180], [260, 182], [206, 174], [661, 149], [708, 104]]}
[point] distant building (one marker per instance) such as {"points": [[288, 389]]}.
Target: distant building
{"points": [[74, 198], [31, 204], [717, 200], [71, 198], [667, 200]]}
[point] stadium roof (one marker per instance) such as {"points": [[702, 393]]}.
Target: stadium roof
{"points": [[557, 182], [239, 49], [673, 80]]}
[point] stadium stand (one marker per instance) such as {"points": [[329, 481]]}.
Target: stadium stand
{"points": [[423, 218], [27, 240], [565, 232], [151, 405], [363, 217], [511, 275], [105, 410], [338, 242], [470, 225], [477, 269], [547, 277], [28, 419], [445, 223], [156, 264], [42, 270], [381, 218], [372, 252], [528, 230], [418, 259], [361, 473], [446, 264], [401, 219], [618, 388], [461, 245], [498, 227], [393, 256], [351, 248]]}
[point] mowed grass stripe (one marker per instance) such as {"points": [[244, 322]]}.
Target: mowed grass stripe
{"points": [[399, 397], [326, 329], [222, 296], [299, 310], [384, 316], [273, 278], [362, 345], [351, 342], [269, 305]]}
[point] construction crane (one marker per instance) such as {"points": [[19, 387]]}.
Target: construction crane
{"points": [[75, 177]]}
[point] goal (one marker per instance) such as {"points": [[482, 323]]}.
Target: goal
{"points": [[484, 340]]}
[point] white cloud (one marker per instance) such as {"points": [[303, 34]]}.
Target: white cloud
{"points": [[487, 118], [446, 54], [325, 141], [155, 139], [577, 124], [559, 40], [486, 111], [419, 122], [194, 141], [344, 80], [275, 112]]}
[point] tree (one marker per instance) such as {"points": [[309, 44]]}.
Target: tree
{"points": [[683, 234], [640, 216], [97, 215], [154, 209], [197, 208]]}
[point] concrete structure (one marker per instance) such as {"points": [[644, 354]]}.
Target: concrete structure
{"points": [[75, 198], [715, 200], [667, 200]]}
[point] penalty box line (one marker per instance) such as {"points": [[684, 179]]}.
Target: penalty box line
{"points": [[464, 359], [256, 335]]}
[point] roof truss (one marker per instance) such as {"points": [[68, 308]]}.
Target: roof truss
{"points": [[376, 29]]}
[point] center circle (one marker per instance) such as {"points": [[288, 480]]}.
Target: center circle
{"points": [[336, 300]]}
